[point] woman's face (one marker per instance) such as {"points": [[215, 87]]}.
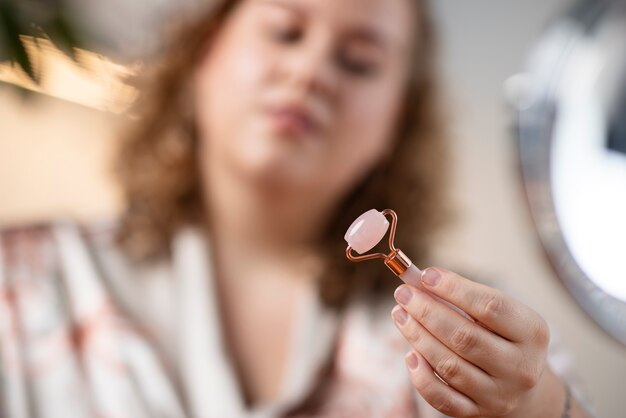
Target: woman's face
{"points": [[304, 94]]}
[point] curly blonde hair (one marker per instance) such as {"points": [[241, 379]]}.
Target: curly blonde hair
{"points": [[159, 174]]}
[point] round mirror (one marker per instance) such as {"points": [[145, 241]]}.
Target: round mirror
{"points": [[572, 143]]}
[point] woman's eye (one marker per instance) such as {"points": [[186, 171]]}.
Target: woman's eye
{"points": [[287, 35], [283, 28], [358, 66]]}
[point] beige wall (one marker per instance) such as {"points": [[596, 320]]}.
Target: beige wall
{"points": [[53, 159]]}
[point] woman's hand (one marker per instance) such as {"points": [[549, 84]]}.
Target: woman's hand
{"points": [[495, 367]]}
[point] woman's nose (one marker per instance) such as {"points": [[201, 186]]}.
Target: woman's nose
{"points": [[310, 67]]}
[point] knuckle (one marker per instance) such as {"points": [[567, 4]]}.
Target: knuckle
{"points": [[424, 312], [448, 368], [423, 385], [541, 333], [529, 377], [491, 307], [411, 331], [444, 405], [510, 405], [504, 406], [505, 401], [463, 339]]}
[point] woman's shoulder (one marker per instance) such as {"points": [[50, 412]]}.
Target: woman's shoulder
{"points": [[44, 231], [30, 245], [66, 261], [49, 251]]}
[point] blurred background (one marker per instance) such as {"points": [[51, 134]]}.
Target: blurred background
{"points": [[56, 145]]}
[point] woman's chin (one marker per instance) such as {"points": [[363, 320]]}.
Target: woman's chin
{"points": [[274, 171], [275, 165]]}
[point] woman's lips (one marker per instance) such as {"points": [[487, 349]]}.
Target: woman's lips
{"points": [[293, 121]]}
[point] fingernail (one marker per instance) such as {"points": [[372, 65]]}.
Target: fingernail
{"points": [[411, 360], [431, 277], [400, 315], [403, 295]]}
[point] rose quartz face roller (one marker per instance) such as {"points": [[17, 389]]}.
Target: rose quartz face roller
{"points": [[367, 231]]}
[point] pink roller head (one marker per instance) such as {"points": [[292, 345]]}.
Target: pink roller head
{"points": [[367, 231]]}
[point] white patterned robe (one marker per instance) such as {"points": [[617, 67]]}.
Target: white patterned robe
{"points": [[86, 333]]}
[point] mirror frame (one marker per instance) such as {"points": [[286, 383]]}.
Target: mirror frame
{"points": [[537, 110]]}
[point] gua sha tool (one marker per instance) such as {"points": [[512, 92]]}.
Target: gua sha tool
{"points": [[368, 230]]}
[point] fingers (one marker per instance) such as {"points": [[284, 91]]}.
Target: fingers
{"points": [[466, 338], [487, 366], [442, 397], [454, 370], [498, 311]]}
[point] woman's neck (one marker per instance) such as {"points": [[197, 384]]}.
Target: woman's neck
{"points": [[261, 216], [271, 230], [263, 276]]}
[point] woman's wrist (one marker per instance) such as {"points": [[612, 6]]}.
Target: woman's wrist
{"points": [[550, 398], [546, 400]]}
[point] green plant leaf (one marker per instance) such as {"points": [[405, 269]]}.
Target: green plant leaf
{"points": [[64, 36], [10, 30], [51, 19]]}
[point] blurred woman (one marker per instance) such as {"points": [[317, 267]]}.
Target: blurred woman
{"points": [[224, 291]]}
